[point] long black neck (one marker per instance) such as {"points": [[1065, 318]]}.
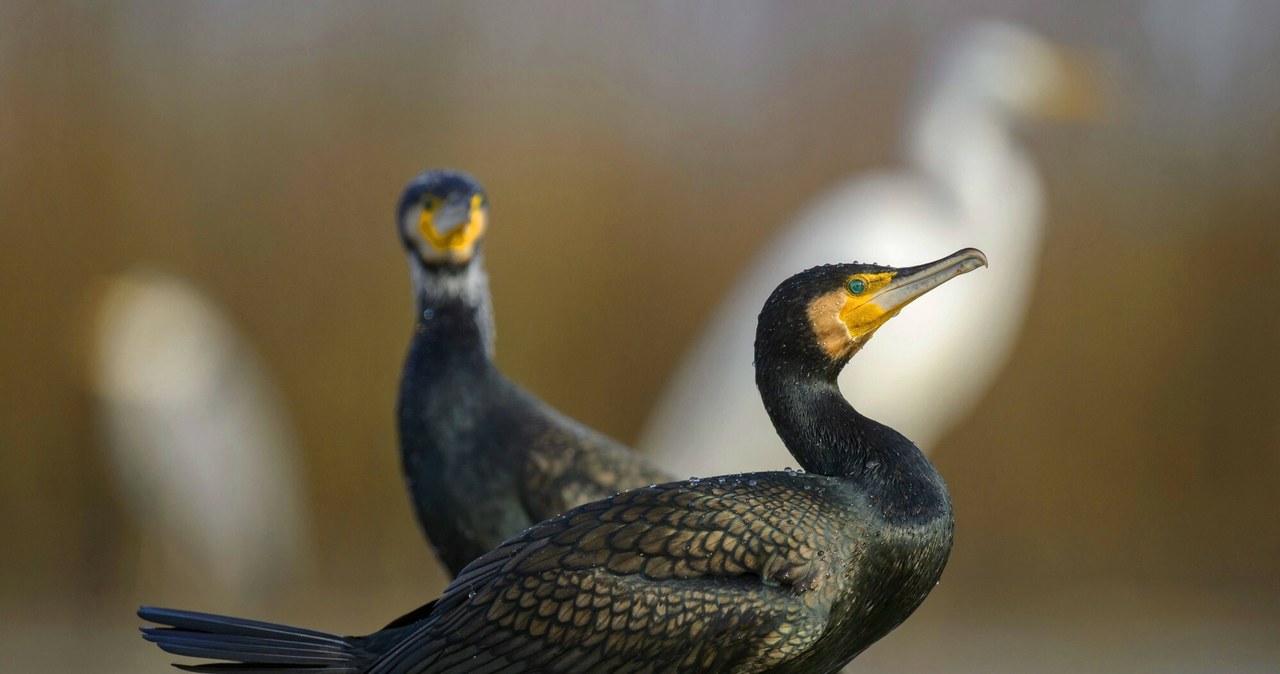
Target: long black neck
{"points": [[828, 436], [454, 318], [451, 349]]}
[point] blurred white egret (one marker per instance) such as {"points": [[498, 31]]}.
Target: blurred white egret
{"points": [[196, 436], [967, 183]]}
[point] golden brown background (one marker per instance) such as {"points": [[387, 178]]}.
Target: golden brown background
{"points": [[1117, 494]]}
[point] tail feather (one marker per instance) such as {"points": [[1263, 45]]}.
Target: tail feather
{"points": [[241, 668], [208, 622], [238, 668], [250, 645], [218, 646]]}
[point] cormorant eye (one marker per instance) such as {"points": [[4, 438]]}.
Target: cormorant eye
{"points": [[857, 286], [429, 204]]}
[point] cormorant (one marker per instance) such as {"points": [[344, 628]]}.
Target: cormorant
{"points": [[779, 571], [759, 572], [966, 180], [483, 458]]}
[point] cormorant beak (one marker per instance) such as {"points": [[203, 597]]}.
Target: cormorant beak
{"points": [[455, 226], [862, 314], [448, 218], [909, 283]]}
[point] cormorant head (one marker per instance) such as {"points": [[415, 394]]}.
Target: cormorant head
{"points": [[442, 217], [819, 318]]}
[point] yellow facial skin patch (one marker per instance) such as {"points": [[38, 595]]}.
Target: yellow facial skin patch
{"points": [[457, 245], [842, 321], [861, 314]]}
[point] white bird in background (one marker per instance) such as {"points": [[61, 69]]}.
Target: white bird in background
{"points": [[196, 436], [967, 183]]}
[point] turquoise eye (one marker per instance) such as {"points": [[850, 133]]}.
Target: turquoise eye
{"points": [[857, 286]]}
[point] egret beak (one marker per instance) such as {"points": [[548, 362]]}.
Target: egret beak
{"points": [[1080, 89]]}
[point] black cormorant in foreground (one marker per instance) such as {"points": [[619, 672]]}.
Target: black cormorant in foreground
{"points": [[483, 458], [778, 571]]}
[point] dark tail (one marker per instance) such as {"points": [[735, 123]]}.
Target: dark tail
{"points": [[250, 646]]}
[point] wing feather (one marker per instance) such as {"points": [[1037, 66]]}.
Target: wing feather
{"points": [[683, 576]]}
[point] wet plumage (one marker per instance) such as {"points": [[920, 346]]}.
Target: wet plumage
{"points": [[780, 571]]}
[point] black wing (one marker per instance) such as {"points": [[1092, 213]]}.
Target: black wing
{"points": [[567, 464], [679, 577]]}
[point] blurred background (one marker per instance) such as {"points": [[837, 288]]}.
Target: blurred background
{"points": [[1117, 491]]}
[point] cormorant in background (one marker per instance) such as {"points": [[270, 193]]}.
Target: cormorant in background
{"points": [[483, 458]]}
